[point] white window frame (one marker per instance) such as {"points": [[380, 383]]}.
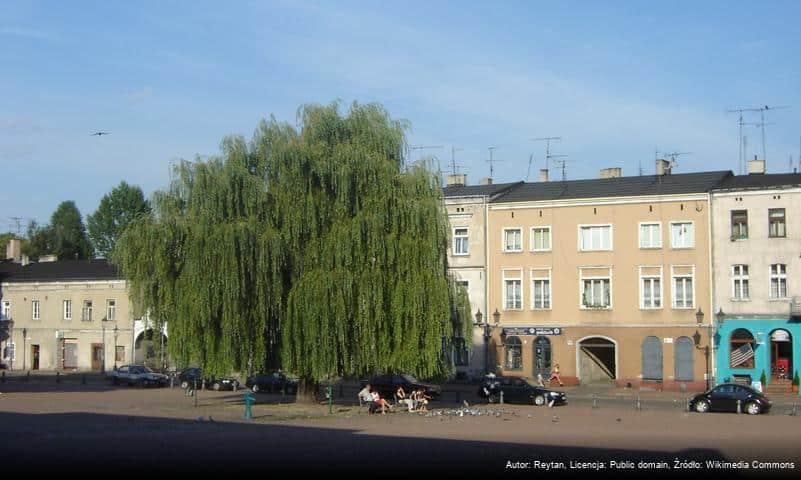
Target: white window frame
{"points": [[111, 310], [86, 310], [465, 238], [784, 222], [658, 239], [504, 279], [591, 226], [780, 277], [682, 222], [582, 278], [503, 239], [66, 310], [531, 238], [660, 276], [540, 279], [673, 276], [36, 309], [738, 278]]}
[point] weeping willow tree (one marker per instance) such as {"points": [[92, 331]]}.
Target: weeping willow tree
{"points": [[312, 248]]}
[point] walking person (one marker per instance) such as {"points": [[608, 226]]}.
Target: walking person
{"points": [[555, 375]]}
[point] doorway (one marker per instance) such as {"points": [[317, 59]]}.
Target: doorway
{"points": [[97, 356], [597, 360], [781, 355], [542, 357], [35, 357]]}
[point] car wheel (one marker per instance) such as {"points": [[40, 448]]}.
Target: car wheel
{"points": [[752, 408], [255, 389], [702, 406], [491, 398], [539, 400], [184, 385], [216, 386]]}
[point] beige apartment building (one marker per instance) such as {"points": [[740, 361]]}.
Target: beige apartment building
{"points": [[466, 207], [606, 278], [67, 315]]}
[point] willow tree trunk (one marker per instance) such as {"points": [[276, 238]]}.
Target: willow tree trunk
{"points": [[307, 391]]}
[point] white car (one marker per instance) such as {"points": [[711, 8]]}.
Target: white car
{"points": [[138, 375]]}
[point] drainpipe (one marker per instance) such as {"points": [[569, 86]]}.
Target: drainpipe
{"points": [[711, 263], [486, 271]]}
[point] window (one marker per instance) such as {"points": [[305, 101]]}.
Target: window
{"points": [[741, 349], [650, 287], [120, 354], [67, 310], [111, 309], [595, 237], [596, 293], [776, 225], [541, 289], [35, 310], [512, 240], [682, 235], [513, 295], [650, 235], [739, 224], [460, 241], [86, 312], [778, 280], [514, 353], [739, 275], [6, 312], [683, 290], [540, 239]]}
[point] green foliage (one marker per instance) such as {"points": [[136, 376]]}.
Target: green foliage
{"points": [[310, 248], [796, 380], [65, 237], [763, 378], [116, 211]]}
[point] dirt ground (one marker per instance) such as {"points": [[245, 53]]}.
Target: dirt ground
{"points": [[162, 429]]}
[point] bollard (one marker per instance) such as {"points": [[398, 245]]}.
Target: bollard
{"points": [[4, 377], [594, 400], [28, 376], [792, 412], [739, 406], [194, 391], [501, 397], [638, 406], [250, 398], [330, 393], [58, 377]]}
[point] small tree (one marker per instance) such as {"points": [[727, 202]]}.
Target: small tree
{"points": [[763, 378], [796, 379]]}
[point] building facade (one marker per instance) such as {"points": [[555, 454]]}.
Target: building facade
{"points": [[68, 315], [466, 207], [605, 278], [756, 228]]}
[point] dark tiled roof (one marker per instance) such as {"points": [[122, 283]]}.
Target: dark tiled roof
{"points": [[761, 181], [672, 184], [65, 270], [8, 267], [477, 190]]}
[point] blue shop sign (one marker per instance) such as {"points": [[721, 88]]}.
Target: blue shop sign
{"points": [[532, 331]]}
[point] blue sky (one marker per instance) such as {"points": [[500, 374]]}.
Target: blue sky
{"points": [[170, 79]]}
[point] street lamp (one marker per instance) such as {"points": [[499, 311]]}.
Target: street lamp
{"points": [[103, 352], [699, 319], [115, 347], [24, 338], [487, 334]]}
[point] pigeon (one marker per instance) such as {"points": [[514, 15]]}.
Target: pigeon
{"points": [[555, 418], [97, 134], [467, 405], [619, 420]]}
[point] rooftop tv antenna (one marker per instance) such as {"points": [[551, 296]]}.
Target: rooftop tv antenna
{"points": [[492, 160], [18, 223], [426, 147], [673, 156], [454, 168], [761, 124], [547, 141], [530, 161], [562, 164]]}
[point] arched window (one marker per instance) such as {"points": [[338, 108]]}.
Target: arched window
{"points": [[542, 357], [741, 349], [651, 359], [514, 353], [684, 359]]}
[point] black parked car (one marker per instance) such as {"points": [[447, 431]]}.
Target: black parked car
{"points": [[724, 397], [192, 375], [272, 382], [519, 390], [387, 385]]}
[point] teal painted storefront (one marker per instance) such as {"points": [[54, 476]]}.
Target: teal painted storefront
{"points": [[761, 330]]}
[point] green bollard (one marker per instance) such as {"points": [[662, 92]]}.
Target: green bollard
{"points": [[250, 398]]}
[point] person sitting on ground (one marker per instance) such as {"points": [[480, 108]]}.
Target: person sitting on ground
{"points": [[366, 397], [555, 375], [422, 400], [401, 398]]}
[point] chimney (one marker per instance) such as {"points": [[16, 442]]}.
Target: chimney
{"points": [[14, 250], [456, 179], [613, 172], [48, 258], [663, 167], [543, 175], [756, 167], [486, 181]]}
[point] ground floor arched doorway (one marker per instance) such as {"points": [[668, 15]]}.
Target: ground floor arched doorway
{"points": [[781, 354], [150, 349], [597, 360]]}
